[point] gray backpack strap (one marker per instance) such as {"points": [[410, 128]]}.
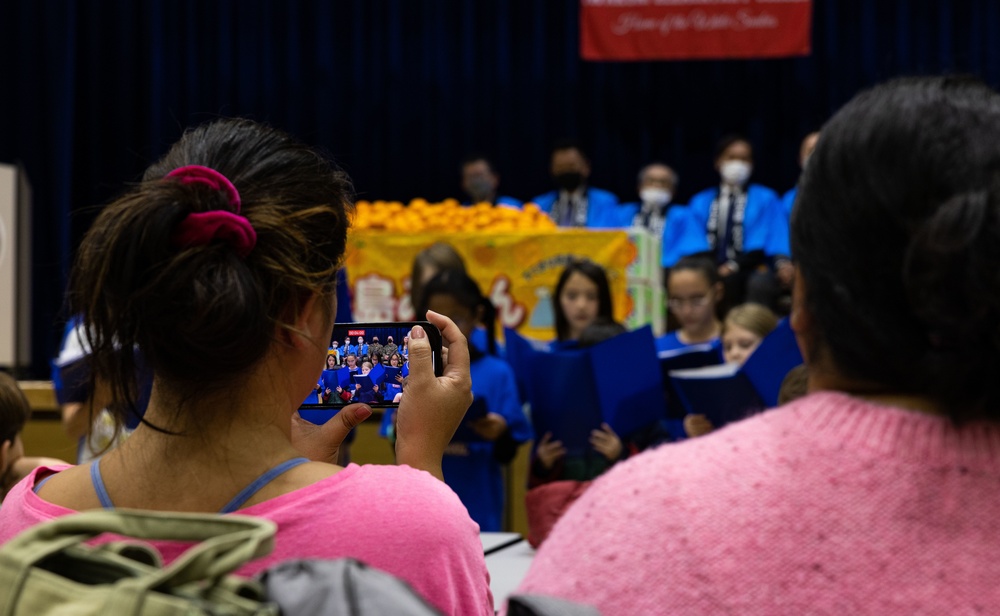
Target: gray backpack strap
{"points": [[340, 587], [540, 605]]}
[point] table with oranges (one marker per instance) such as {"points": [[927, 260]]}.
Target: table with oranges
{"points": [[514, 254]]}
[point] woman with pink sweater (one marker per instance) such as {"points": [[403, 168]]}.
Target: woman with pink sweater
{"points": [[878, 492]]}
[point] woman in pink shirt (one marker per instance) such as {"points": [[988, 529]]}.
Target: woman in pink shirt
{"points": [[220, 268], [878, 492]]}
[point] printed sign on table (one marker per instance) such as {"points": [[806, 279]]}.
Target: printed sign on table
{"points": [[516, 270]]}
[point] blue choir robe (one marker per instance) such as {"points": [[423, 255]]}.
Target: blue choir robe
{"points": [[765, 227], [788, 201], [501, 201], [671, 342], [603, 209], [477, 477]]}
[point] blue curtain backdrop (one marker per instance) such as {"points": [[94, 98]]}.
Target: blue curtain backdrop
{"points": [[400, 90]]}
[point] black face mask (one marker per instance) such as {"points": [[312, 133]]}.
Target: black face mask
{"points": [[568, 181]]}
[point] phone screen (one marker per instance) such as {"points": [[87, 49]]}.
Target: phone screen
{"points": [[366, 362]]}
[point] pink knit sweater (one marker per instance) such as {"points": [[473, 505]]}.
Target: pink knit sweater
{"points": [[393, 518], [829, 505]]}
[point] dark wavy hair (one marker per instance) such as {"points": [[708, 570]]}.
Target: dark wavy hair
{"points": [[201, 316], [897, 238], [596, 274], [464, 290]]}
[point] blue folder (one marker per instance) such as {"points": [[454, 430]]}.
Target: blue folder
{"points": [[377, 374], [770, 362], [573, 391], [722, 393], [389, 375], [630, 394], [729, 393]]}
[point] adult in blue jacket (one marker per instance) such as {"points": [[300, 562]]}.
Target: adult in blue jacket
{"points": [[741, 225], [657, 183], [574, 203], [480, 181]]}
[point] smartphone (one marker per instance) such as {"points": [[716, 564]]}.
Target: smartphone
{"points": [[346, 378]]}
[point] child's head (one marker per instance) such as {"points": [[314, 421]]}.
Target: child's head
{"points": [[366, 366], [599, 331], [352, 360], [376, 358], [394, 360], [582, 296], [429, 262], [795, 385], [205, 265], [14, 412], [331, 362], [694, 289], [743, 330], [454, 294]]}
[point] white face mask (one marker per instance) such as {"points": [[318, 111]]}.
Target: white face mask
{"points": [[655, 196], [735, 172]]}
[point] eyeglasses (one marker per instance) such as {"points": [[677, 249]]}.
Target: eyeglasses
{"points": [[698, 301]]}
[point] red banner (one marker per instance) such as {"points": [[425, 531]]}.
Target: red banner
{"points": [[694, 29]]}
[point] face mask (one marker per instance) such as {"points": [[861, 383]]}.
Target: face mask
{"points": [[655, 196], [735, 172], [480, 189], [569, 181]]}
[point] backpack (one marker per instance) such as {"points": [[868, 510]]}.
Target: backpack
{"points": [[50, 568]]}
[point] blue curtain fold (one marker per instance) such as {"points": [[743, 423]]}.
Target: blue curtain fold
{"points": [[398, 91]]}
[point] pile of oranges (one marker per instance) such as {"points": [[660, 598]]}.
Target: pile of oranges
{"points": [[447, 216]]}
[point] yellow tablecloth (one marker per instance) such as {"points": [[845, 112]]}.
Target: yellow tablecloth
{"points": [[517, 270]]}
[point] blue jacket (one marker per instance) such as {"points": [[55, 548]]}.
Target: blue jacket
{"points": [[500, 200], [765, 226], [477, 477], [603, 209], [788, 201]]}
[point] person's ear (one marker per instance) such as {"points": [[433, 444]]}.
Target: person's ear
{"points": [[719, 290], [309, 325]]}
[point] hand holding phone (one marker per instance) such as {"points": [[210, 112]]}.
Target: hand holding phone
{"points": [[433, 406]]}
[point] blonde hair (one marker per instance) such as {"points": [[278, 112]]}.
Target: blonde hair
{"points": [[755, 318]]}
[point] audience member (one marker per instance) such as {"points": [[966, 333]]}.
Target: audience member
{"points": [[220, 268], [876, 493], [14, 414]]}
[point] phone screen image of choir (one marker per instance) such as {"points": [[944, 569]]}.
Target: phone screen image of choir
{"points": [[356, 371]]}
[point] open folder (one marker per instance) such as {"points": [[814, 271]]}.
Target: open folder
{"points": [[728, 392], [572, 392]]}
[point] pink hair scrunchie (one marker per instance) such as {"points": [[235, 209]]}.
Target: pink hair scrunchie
{"points": [[201, 228]]}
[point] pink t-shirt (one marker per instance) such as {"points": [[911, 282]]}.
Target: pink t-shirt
{"points": [[393, 518], [828, 505]]}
